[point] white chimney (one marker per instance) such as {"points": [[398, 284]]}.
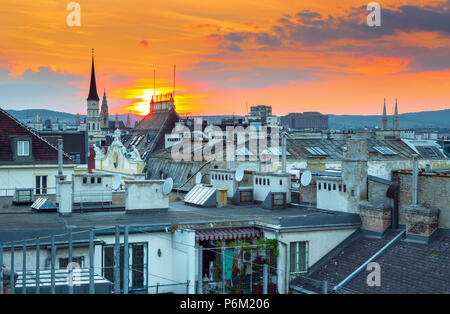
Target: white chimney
{"points": [[65, 199], [145, 196]]}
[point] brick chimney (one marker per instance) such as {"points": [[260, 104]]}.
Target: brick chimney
{"points": [[375, 218]]}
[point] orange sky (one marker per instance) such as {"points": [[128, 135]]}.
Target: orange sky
{"points": [[292, 55]]}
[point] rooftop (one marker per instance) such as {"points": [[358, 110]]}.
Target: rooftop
{"points": [[181, 214], [405, 267]]}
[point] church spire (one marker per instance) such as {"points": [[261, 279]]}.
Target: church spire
{"points": [[93, 86], [128, 122], [396, 120], [384, 121]]}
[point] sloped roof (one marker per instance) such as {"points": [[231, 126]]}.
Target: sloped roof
{"points": [[405, 267], [148, 135], [333, 149], [42, 150]]}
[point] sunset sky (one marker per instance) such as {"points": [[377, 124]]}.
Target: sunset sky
{"points": [[292, 55]]}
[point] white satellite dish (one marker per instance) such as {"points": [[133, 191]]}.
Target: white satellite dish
{"points": [[306, 178], [198, 178], [117, 181], [168, 185], [239, 175]]}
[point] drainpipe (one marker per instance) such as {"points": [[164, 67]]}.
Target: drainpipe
{"points": [[286, 288], [60, 156], [283, 160], [384, 248], [415, 174]]}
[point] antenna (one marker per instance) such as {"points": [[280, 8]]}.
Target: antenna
{"points": [[306, 178], [173, 93], [154, 82], [168, 185], [239, 174], [198, 178]]}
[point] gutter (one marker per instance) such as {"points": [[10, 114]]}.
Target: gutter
{"points": [[384, 248]]}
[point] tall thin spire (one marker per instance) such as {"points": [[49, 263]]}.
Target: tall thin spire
{"points": [[93, 95], [396, 120], [128, 122], [384, 122]]}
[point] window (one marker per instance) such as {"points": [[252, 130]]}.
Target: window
{"points": [[320, 186], [99, 180], [281, 182], [137, 260], [340, 187], [84, 180], [299, 257], [23, 148], [92, 180], [334, 187], [76, 157], [329, 187], [41, 185], [345, 188], [324, 185], [246, 196], [64, 261]]}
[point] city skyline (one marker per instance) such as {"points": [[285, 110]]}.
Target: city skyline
{"points": [[308, 57]]}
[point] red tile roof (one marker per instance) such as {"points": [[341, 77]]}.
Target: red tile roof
{"points": [[41, 149]]}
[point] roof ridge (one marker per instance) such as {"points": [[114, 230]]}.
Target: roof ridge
{"points": [[33, 132]]}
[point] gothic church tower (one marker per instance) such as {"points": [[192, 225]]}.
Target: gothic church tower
{"points": [[93, 118]]}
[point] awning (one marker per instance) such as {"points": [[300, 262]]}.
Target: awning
{"points": [[227, 233]]}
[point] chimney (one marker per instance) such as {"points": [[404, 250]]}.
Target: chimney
{"points": [[317, 163], [65, 198], [145, 196], [415, 174]]}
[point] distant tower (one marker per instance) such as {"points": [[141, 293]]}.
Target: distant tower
{"points": [[93, 118], [77, 122], [116, 124], [128, 122], [104, 112], [384, 121], [396, 124]]}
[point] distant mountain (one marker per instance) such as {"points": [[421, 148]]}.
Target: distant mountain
{"points": [[414, 120], [30, 115]]}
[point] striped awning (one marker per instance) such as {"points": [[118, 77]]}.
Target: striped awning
{"points": [[227, 233]]}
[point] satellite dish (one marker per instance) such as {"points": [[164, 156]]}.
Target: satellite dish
{"points": [[306, 178], [168, 185], [239, 175], [117, 181], [198, 178]]}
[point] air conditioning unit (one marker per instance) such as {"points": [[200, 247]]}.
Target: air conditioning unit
{"points": [[23, 196]]}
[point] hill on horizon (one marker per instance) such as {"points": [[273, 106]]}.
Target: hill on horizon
{"points": [[414, 120]]}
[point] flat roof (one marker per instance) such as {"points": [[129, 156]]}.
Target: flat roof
{"points": [[182, 214]]}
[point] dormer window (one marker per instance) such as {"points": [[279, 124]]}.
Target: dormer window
{"points": [[23, 148]]}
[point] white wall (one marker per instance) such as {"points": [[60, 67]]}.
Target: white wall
{"points": [[332, 200], [320, 243], [12, 176]]}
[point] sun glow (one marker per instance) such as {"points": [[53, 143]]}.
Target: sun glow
{"points": [[142, 106]]}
